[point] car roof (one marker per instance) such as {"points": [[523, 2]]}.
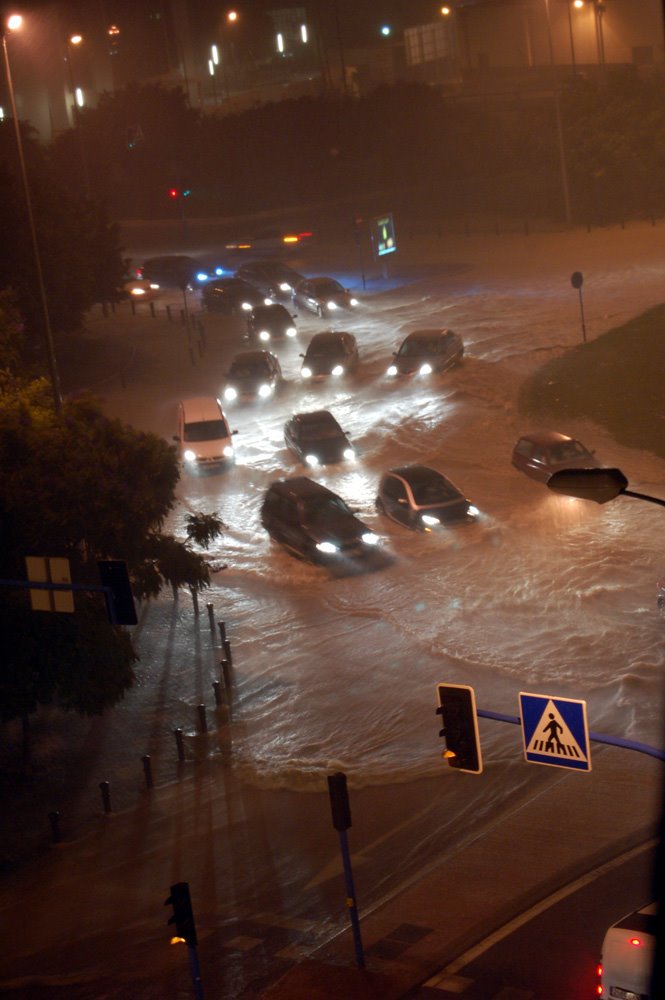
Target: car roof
{"points": [[428, 334], [314, 417], [411, 472], [328, 336], [545, 438], [201, 408], [300, 488], [251, 357], [270, 307]]}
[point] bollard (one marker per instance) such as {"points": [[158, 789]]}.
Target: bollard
{"points": [[152, 310], [217, 689], [106, 796], [179, 744], [222, 631], [227, 652], [226, 673], [203, 725], [168, 313], [54, 819], [211, 616], [195, 599], [147, 770]]}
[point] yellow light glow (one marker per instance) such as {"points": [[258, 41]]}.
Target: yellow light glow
{"points": [[578, 3], [76, 39], [445, 11], [14, 22], [232, 16], [289, 239], [177, 940]]}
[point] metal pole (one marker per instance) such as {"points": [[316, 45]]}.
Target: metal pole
{"points": [[55, 377], [559, 126], [582, 315], [351, 899], [195, 970]]}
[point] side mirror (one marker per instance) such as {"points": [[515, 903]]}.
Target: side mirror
{"points": [[234, 431]]}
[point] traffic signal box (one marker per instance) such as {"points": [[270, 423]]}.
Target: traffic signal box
{"points": [[183, 916], [457, 708]]}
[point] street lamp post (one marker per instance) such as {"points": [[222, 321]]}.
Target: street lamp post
{"points": [[602, 485], [13, 23]]}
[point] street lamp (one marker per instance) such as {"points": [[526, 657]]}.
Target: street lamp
{"points": [[14, 23], [77, 104]]}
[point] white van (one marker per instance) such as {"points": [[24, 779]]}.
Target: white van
{"points": [[627, 957], [203, 433]]}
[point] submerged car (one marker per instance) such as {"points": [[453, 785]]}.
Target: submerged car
{"points": [[174, 271], [422, 498], [231, 296], [423, 352], [317, 439], [266, 323], [323, 296], [203, 434], [542, 453], [334, 352], [252, 375], [272, 277], [312, 522]]}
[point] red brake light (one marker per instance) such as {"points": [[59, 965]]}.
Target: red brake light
{"points": [[635, 941], [304, 235], [599, 970], [599, 989]]}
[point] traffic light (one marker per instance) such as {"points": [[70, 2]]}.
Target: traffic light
{"points": [[174, 193], [457, 707], [119, 598], [183, 917]]}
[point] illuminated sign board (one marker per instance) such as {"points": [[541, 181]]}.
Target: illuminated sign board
{"points": [[383, 235]]}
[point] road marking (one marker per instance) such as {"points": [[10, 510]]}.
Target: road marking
{"points": [[523, 918]]}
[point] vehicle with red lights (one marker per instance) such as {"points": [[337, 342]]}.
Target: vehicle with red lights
{"points": [[624, 972], [272, 239]]}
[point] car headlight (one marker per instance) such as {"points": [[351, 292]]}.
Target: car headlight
{"points": [[189, 456], [138, 291], [228, 451], [349, 454], [311, 460], [230, 392], [472, 511], [369, 538], [430, 520], [246, 306], [285, 286], [154, 285], [392, 370], [332, 306], [426, 369], [337, 370], [267, 301], [353, 302], [290, 331], [219, 271], [326, 547], [264, 335], [264, 390], [201, 276], [306, 372]]}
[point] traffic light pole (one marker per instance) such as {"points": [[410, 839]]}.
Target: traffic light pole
{"points": [[351, 899], [613, 741], [195, 970]]}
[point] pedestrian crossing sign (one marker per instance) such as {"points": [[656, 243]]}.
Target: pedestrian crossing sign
{"points": [[555, 731]]}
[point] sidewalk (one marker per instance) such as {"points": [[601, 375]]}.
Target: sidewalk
{"points": [[411, 937]]}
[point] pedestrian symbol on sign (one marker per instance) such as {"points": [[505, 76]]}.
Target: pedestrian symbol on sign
{"points": [[555, 731]]}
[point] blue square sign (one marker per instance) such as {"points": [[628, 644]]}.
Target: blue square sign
{"points": [[555, 731]]}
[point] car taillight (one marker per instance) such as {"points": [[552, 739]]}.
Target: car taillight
{"points": [[599, 973]]}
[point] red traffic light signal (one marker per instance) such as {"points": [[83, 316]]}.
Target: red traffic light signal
{"points": [[457, 708], [173, 193]]}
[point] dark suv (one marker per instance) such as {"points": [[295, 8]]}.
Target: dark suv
{"points": [[314, 523]]}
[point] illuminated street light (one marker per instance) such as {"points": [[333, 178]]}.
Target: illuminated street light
{"points": [[386, 30], [232, 16], [303, 34], [214, 52], [13, 24], [280, 43], [77, 93], [446, 11]]}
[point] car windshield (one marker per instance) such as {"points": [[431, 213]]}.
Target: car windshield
{"points": [[326, 348], [327, 286], [248, 369], [317, 513], [566, 451], [429, 487], [316, 430], [422, 345], [206, 430]]}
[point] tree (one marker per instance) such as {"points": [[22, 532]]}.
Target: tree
{"points": [[80, 485]]}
